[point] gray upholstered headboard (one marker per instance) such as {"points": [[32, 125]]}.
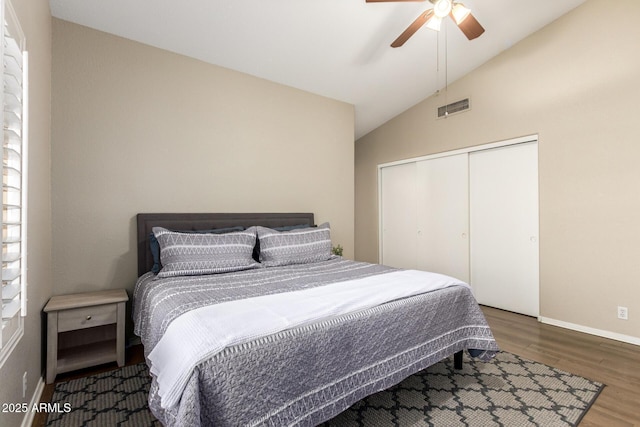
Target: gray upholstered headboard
{"points": [[206, 221]]}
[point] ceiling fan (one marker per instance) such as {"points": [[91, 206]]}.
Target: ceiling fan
{"points": [[433, 18]]}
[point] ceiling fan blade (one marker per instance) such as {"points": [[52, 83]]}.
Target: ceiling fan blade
{"points": [[415, 26], [469, 26]]}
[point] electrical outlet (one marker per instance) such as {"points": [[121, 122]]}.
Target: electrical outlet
{"points": [[24, 384], [623, 313]]}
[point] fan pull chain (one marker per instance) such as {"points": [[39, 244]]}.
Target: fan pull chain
{"points": [[438, 62], [446, 70]]}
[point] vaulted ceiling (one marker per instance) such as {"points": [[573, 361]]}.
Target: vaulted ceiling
{"points": [[334, 48]]}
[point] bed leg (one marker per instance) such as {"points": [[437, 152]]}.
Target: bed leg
{"points": [[457, 360]]}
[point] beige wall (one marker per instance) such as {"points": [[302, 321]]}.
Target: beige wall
{"points": [[35, 19], [576, 83], [138, 129]]}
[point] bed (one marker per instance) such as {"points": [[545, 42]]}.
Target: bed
{"points": [[329, 332]]}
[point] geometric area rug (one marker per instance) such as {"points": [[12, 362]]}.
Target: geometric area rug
{"points": [[507, 391], [114, 398]]}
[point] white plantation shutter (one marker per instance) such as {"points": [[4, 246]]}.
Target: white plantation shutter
{"points": [[13, 217]]}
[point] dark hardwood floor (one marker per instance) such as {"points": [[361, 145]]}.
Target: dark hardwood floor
{"points": [[613, 363]]}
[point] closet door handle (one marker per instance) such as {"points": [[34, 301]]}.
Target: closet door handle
{"points": [[533, 239], [464, 235]]}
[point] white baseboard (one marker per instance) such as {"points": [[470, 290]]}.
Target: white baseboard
{"points": [[592, 331], [35, 399]]}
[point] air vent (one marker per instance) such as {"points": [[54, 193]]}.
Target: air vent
{"points": [[453, 108]]}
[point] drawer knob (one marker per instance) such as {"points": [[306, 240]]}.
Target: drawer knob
{"points": [[89, 317]]}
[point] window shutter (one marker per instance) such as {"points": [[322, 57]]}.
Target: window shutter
{"points": [[13, 182]]}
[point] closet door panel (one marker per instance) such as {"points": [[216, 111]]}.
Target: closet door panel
{"points": [[398, 215], [504, 227], [443, 218]]}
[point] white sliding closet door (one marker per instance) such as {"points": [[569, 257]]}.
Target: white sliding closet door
{"points": [[443, 216], [504, 227], [398, 215]]}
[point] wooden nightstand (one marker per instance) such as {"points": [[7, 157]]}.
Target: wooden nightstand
{"points": [[85, 330]]}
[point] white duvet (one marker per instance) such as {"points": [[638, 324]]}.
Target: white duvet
{"points": [[198, 334]]}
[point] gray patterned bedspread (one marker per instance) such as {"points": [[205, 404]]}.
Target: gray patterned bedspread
{"points": [[309, 374]]}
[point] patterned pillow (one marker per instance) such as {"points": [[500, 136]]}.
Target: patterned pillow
{"points": [[189, 254], [299, 246], [154, 246]]}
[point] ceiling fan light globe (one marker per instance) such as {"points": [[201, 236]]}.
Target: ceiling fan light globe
{"points": [[460, 12], [434, 23], [441, 8]]}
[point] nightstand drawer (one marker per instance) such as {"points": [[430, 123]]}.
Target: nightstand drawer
{"points": [[87, 317]]}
